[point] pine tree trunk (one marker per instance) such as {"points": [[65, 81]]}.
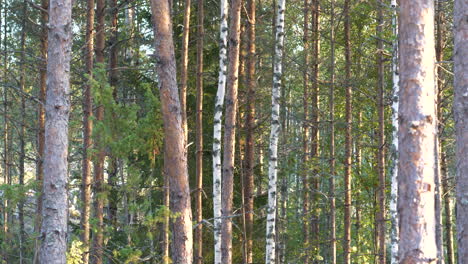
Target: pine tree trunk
{"points": [[393, 168], [175, 160], [460, 108], [218, 117], [381, 140], [199, 136], [98, 238], [6, 153], [87, 133], [348, 138], [332, 136], [22, 154], [55, 205], [416, 135], [270, 256], [41, 124], [230, 132], [306, 136], [250, 126]]}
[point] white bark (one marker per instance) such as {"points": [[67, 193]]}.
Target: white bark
{"points": [[393, 169], [217, 131], [270, 257]]}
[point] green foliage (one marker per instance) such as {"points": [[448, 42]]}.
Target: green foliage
{"points": [[75, 252]]}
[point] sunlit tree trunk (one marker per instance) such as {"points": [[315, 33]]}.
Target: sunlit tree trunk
{"points": [[393, 168], [54, 203], [417, 132], [332, 137], [460, 107], [218, 117], [184, 66], [199, 136], [270, 256], [175, 160]]}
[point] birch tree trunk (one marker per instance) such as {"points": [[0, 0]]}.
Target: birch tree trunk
{"points": [[87, 133], [417, 132], [54, 203], [98, 239], [175, 160], [270, 256], [393, 168], [199, 136], [460, 108], [230, 132], [218, 117]]}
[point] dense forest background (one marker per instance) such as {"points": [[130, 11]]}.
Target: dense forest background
{"points": [[335, 153]]}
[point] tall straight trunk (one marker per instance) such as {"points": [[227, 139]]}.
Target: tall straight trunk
{"points": [[230, 132], [270, 256], [460, 108], [447, 208], [175, 160], [87, 133], [166, 229], [416, 135], [381, 139], [393, 168], [6, 151], [250, 126], [315, 135], [332, 136], [218, 117], [199, 136], [113, 81], [54, 203], [348, 138], [98, 238], [41, 124], [184, 66], [306, 135], [22, 154]]}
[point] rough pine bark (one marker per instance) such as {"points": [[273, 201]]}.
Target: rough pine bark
{"points": [[460, 108], [230, 131], [218, 116], [175, 160], [199, 136], [54, 202], [417, 132], [270, 256], [87, 133], [393, 168]]}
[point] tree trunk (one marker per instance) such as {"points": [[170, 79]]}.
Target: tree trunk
{"points": [[417, 131], [348, 138], [381, 139], [332, 136], [184, 67], [55, 205], [270, 256], [175, 160], [98, 239], [87, 133], [41, 124], [250, 125], [230, 133], [393, 168], [306, 136], [218, 117], [199, 136], [460, 108]]}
